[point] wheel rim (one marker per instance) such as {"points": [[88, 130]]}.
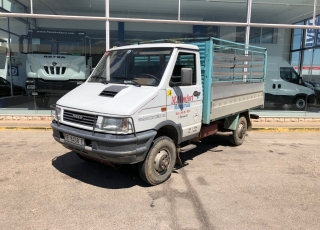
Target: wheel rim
{"points": [[300, 103], [162, 161], [241, 131]]}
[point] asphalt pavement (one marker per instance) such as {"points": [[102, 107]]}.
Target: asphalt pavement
{"points": [[270, 182]]}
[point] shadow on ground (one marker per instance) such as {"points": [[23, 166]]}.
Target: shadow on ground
{"points": [[126, 176]]}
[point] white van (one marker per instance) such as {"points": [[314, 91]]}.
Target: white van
{"points": [[285, 86]]}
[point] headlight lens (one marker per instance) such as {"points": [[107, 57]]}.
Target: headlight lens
{"points": [[116, 125], [58, 114]]}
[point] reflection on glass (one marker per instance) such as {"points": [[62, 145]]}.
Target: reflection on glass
{"points": [[268, 35], [255, 34], [281, 11], [295, 61], [206, 10], [297, 37]]}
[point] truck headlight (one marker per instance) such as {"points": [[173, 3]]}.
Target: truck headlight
{"points": [[116, 125], [58, 114]]}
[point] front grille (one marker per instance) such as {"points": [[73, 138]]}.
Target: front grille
{"points": [[79, 118], [54, 70]]}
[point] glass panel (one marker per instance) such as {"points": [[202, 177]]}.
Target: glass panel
{"points": [[307, 65], [5, 88], [295, 61], [227, 11], [241, 34], [50, 60], [281, 11], [255, 35], [297, 37], [70, 7], [268, 35], [138, 32], [150, 9], [13, 6]]}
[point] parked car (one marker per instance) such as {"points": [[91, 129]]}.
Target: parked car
{"points": [[285, 86], [5, 88], [316, 88]]}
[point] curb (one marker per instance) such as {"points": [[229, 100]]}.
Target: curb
{"points": [[285, 129], [24, 128], [260, 129]]}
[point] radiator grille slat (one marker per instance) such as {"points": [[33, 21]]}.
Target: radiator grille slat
{"points": [[86, 119], [54, 70]]}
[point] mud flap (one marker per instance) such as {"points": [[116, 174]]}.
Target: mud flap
{"points": [[231, 122]]}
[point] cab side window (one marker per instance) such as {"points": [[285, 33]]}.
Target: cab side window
{"points": [[185, 60], [289, 74]]}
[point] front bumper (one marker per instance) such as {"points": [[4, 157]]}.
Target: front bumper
{"points": [[102, 147], [51, 86]]}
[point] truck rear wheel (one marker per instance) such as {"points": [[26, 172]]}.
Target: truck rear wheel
{"points": [[158, 165], [238, 135]]}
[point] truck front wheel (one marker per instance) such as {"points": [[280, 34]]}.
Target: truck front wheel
{"points": [[299, 103], [158, 165], [238, 135]]}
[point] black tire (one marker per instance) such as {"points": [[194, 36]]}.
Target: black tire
{"points": [[238, 136], [42, 102], [300, 103], [158, 165]]}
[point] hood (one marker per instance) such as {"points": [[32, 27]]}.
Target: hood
{"points": [[124, 100]]}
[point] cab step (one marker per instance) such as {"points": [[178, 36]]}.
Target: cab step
{"points": [[187, 148]]}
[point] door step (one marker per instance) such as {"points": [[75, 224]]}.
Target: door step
{"points": [[187, 148]]}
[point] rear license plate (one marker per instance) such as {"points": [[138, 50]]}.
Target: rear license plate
{"points": [[73, 139]]}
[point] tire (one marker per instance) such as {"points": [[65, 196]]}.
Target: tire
{"points": [[158, 165], [238, 136], [42, 102], [299, 103]]}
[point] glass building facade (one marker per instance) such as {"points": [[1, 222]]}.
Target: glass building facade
{"points": [[49, 47]]}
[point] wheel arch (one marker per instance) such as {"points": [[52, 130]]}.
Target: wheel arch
{"points": [[170, 129]]}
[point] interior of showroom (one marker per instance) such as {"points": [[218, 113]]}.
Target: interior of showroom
{"points": [[55, 44]]}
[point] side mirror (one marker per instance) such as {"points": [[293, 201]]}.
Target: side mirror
{"points": [[186, 76]]}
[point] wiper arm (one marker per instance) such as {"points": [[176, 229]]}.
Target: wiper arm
{"points": [[102, 80], [132, 82]]}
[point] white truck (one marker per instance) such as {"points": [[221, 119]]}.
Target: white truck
{"points": [[285, 86], [57, 62], [143, 103]]}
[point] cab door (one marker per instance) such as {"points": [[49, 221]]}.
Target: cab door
{"points": [[184, 102]]}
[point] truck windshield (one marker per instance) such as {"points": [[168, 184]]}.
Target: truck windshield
{"points": [[57, 46], [142, 66]]}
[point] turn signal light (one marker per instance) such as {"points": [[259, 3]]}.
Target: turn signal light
{"points": [[163, 109]]}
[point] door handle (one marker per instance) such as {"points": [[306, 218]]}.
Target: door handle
{"points": [[273, 86], [196, 93], [279, 86]]}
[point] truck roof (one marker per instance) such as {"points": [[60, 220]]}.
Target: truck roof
{"points": [[158, 45]]}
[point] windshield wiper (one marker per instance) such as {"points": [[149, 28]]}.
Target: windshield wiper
{"points": [[132, 82], [102, 80]]}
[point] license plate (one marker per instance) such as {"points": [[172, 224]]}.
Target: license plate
{"points": [[73, 139]]}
